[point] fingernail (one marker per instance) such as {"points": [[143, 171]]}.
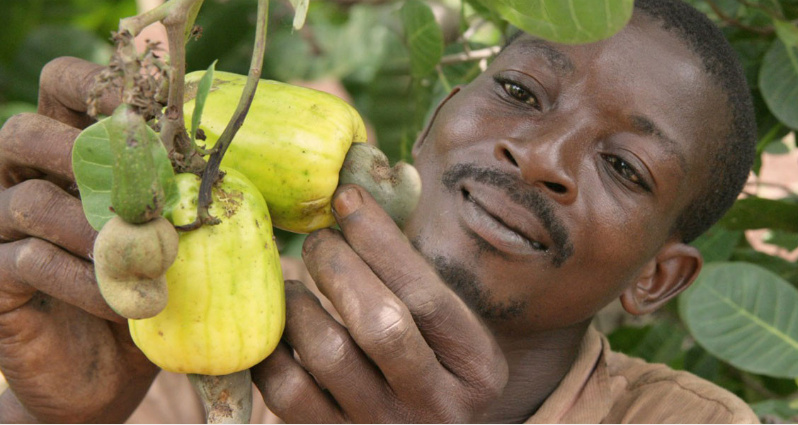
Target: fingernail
{"points": [[347, 202]]}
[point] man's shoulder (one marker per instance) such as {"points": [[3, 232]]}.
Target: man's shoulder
{"points": [[655, 393]]}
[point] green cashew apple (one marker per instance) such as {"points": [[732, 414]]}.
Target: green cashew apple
{"points": [[226, 307], [291, 145]]}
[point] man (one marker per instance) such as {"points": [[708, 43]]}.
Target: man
{"points": [[560, 179]]}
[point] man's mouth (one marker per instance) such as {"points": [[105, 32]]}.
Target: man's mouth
{"points": [[504, 225], [500, 211]]}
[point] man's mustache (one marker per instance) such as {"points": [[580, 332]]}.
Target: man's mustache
{"points": [[529, 198]]}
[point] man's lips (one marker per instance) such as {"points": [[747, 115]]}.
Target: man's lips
{"points": [[501, 209], [507, 226]]}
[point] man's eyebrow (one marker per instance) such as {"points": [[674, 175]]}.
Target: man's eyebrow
{"points": [[558, 60], [646, 126]]}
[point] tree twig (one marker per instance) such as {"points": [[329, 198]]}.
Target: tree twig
{"points": [[470, 56], [354, 2], [762, 7], [173, 129], [736, 22]]}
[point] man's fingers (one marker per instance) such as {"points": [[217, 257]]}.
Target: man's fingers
{"points": [[379, 322], [33, 146], [55, 272], [41, 209], [64, 87], [328, 352], [291, 392], [456, 335]]}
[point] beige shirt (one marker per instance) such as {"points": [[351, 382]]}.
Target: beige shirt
{"points": [[602, 387], [608, 387]]}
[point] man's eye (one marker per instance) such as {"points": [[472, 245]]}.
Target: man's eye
{"points": [[520, 93], [625, 170]]}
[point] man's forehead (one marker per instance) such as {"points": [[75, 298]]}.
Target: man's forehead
{"points": [[642, 34], [558, 60]]}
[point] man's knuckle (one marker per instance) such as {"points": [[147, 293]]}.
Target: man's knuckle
{"points": [[332, 353], [317, 240], [11, 127], [403, 281], [30, 202], [287, 391], [442, 411], [31, 254], [488, 381], [53, 69], [386, 329]]}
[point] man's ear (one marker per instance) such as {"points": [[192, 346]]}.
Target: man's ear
{"points": [[666, 275], [423, 136]]}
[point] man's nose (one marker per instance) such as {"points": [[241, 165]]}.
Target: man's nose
{"points": [[548, 163]]}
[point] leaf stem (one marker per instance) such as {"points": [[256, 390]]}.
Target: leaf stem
{"points": [[447, 86]]}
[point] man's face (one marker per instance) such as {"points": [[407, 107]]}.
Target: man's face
{"points": [[553, 179]]}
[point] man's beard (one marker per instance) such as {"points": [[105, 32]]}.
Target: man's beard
{"points": [[471, 290]]}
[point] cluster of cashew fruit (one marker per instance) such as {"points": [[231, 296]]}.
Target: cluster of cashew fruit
{"points": [[209, 302]]}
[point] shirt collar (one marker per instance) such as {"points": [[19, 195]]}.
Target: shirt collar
{"points": [[583, 394]]}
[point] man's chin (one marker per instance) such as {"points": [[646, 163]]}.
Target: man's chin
{"points": [[467, 285]]}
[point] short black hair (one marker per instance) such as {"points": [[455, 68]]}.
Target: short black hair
{"points": [[732, 156]]}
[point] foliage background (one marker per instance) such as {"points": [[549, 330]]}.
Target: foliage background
{"points": [[395, 81]]}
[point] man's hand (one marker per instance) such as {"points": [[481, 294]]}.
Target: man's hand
{"points": [[66, 355], [409, 350]]}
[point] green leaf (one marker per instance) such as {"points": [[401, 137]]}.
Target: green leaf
{"points": [[423, 37], [700, 362], [788, 270], [787, 32], [782, 410], [92, 165], [786, 240], [300, 12], [203, 88], [778, 81], [761, 213], [718, 243], [746, 316], [566, 21], [661, 344]]}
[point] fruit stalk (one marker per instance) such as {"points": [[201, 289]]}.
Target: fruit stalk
{"points": [[227, 399], [211, 172]]}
